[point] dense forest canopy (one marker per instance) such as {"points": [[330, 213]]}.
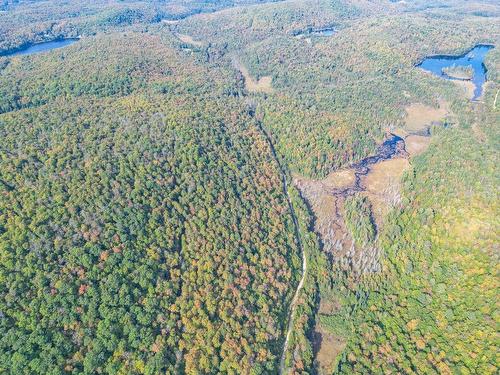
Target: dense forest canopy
{"points": [[150, 216]]}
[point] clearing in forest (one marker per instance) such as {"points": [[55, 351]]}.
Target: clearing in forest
{"points": [[189, 40], [420, 116], [419, 119], [382, 185], [327, 347], [264, 84]]}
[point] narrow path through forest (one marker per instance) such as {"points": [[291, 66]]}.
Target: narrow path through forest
{"points": [[293, 304]]}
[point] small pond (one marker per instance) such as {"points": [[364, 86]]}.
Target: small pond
{"points": [[40, 47], [327, 31], [472, 61], [323, 32]]}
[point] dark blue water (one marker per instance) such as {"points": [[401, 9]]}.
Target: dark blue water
{"points": [[475, 58], [40, 47], [393, 146]]}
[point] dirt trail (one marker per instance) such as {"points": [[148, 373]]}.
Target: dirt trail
{"points": [[377, 178], [293, 303], [291, 313]]}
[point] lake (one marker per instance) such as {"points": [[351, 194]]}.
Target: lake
{"points": [[40, 47], [473, 58]]}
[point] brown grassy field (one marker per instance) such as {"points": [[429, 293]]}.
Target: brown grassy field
{"points": [[263, 85], [188, 39], [382, 186], [419, 116], [416, 144]]}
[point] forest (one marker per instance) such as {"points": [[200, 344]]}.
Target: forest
{"points": [[151, 219]]}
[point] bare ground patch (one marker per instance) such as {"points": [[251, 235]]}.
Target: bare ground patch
{"points": [[328, 306], [416, 144], [382, 186], [264, 84], [420, 116], [189, 40], [326, 208], [327, 347], [419, 119], [329, 223], [339, 179]]}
